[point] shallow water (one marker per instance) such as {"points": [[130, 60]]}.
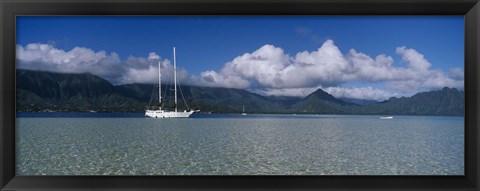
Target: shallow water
{"points": [[102, 144]]}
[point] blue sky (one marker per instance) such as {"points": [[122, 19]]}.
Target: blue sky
{"points": [[120, 47]]}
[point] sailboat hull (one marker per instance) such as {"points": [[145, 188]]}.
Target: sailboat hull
{"points": [[167, 114]]}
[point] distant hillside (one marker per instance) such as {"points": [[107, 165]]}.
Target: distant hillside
{"points": [[359, 101], [322, 103], [44, 91], [448, 101], [59, 86], [39, 91]]}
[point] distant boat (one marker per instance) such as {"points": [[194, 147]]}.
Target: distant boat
{"points": [[162, 113], [243, 111], [386, 117]]}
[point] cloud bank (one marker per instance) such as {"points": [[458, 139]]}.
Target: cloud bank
{"points": [[267, 70], [46, 57], [271, 71]]}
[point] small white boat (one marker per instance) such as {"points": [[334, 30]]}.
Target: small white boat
{"points": [[386, 117], [243, 111]]}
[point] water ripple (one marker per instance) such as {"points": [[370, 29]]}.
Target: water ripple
{"points": [[346, 145]]}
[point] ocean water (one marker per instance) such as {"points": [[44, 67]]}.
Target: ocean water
{"points": [[129, 144]]}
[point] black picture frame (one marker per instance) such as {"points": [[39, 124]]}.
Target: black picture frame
{"points": [[11, 8]]}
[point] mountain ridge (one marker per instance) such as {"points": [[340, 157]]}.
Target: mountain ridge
{"points": [[49, 91]]}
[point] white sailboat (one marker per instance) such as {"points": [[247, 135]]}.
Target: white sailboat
{"points": [[163, 113], [243, 111]]}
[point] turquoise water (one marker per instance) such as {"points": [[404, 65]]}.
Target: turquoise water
{"points": [[105, 144]]}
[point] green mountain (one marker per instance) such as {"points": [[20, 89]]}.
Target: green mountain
{"points": [[448, 101], [40, 91], [219, 100], [58, 86], [44, 91], [359, 101], [322, 103]]}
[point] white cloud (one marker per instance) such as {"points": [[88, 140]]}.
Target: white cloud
{"points": [[418, 76], [109, 66], [365, 93], [415, 59], [77, 60], [270, 71], [292, 92], [270, 67], [147, 75], [324, 67], [153, 56], [372, 70], [214, 79], [457, 73], [262, 65]]}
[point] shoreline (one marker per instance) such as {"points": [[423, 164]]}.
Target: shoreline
{"points": [[203, 115]]}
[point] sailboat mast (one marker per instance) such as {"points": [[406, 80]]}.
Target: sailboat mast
{"points": [[175, 76], [159, 85]]}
